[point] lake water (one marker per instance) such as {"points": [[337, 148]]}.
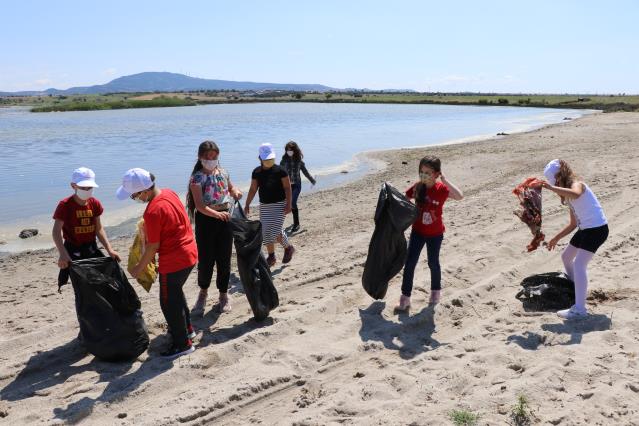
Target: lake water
{"points": [[40, 150]]}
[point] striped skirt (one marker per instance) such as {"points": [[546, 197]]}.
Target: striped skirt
{"points": [[272, 218]]}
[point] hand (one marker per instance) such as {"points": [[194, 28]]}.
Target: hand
{"points": [[442, 177], [63, 261], [135, 270], [288, 209], [223, 216], [546, 185], [237, 194], [247, 210], [114, 254], [552, 243], [314, 181]]}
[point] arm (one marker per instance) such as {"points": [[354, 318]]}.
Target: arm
{"points": [[99, 230], [235, 192], [64, 259], [149, 254], [251, 194], [196, 192], [567, 230], [571, 193], [453, 192], [306, 173], [286, 183]]}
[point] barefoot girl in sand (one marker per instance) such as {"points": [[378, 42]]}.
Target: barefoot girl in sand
{"points": [[274, 187], [428, 229], [208, 202], [587, 215], [293, 164]]}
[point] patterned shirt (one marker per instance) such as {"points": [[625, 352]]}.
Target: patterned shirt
{"points": [[215, 187], [293, 169]]}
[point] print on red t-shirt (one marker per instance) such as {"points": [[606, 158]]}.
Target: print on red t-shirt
{"points": [[78, 221], [166, 222], [430, 222]]}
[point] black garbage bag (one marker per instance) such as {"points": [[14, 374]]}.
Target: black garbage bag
{"points": [[549, 291], [254, 271], [387, 249], [111, 323]]}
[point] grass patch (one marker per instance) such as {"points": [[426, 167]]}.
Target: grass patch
{"points": [[521, 414], [463, 417]]}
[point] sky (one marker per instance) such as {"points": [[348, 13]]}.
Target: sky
{"points": [[535, 46]]}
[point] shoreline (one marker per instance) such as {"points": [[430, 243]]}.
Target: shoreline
{"points": [[358, 167], [330, 353]]}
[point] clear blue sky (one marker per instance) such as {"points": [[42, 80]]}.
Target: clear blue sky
{"points": [[558, 46]]}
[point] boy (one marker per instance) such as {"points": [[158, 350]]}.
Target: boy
{"points": [[77, 224]]}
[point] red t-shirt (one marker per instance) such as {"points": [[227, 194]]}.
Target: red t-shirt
{"points": [[166, 222], [429, 222], [79, 221]]}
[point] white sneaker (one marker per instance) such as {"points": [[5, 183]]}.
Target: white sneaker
{"points": [[572, 313]]}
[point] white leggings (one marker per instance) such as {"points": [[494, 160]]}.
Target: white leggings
{"points": [[576, 264]]}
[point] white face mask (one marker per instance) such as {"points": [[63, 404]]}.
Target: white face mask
{"points": [[289, 153], [139, 200], [84, 194], [209, 164]]}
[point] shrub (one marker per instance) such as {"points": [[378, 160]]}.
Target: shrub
{"points": [[502, 101]]}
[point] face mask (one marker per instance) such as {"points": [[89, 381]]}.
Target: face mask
{"points": [[84, 194], [267, 164], [139, 200], [426, 178], [289, 153], [209, 164]]}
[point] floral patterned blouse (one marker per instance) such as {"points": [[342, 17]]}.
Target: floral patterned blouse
{"points": [[215, 187]]}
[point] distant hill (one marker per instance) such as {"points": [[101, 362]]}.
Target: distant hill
{"points": [[171, 82]]}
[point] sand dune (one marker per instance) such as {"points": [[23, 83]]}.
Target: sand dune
{"points": [[330, 354]]}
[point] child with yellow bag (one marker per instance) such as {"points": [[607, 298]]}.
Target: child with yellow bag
{"points": [[150, 272]]}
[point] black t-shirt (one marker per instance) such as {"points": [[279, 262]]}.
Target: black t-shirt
{"points": [[271, 189]]}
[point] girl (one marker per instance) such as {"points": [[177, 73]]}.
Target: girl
{"points": [[586, 214], [293, 164], [428, 228], [208, 202], [275, 202]]}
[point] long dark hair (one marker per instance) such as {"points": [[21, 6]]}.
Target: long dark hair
{"points": [[297, 152], [420, 189], [204, 147]]}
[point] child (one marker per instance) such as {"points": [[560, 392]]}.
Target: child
{"points": [[275, 202], [168, 233], [209, 201], [587, 215], [77, 224], [293, 164], [428, 229]]}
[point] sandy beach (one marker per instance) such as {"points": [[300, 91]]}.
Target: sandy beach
{"points": [[330, 354]]}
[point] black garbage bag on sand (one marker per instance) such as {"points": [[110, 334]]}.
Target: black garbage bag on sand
{"points": [[387, 249], [550, 291], [111, 323], [254, 271]]}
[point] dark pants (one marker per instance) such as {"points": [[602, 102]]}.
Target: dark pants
{"points": [[415, 246], [296, 188], [85, 251], [214, 240], [173, 304]]}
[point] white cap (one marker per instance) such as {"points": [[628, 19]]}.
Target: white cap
{"points": [[551, 170], [134, 180], [266, 151], [84, 176]]}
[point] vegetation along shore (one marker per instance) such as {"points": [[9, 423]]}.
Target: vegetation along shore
{"points": [[50, 103]]}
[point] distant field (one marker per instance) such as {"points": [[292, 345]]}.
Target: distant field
{"points": [[151, 100]]}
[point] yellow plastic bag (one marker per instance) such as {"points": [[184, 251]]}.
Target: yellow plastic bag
{"points": [[150, 273]]}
